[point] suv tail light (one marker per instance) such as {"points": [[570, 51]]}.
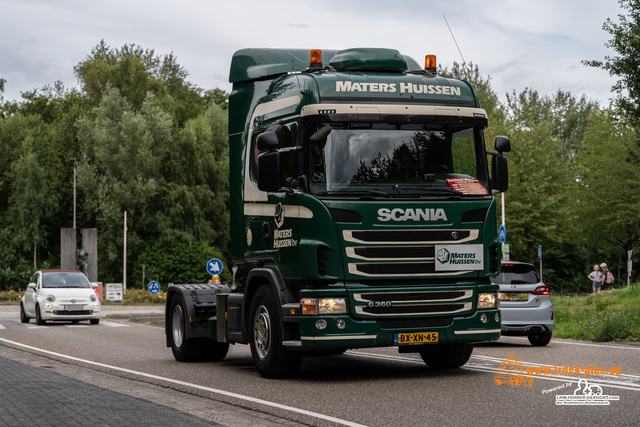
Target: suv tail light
{"points": [[541, 290]]}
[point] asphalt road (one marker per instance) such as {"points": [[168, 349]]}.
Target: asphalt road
{"points": [[374, 387]]}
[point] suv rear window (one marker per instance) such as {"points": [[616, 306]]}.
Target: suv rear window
{"points": [[514, 274]]}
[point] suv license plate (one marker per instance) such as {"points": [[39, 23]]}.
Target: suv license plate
{"points": [[514, 296], [415, 338]]}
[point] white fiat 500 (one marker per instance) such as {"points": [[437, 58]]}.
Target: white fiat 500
{"points": [[60, 295]]}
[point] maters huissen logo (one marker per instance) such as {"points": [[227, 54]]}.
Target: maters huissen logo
{"points": [[455, 258], [347, 86], [282, 238]]}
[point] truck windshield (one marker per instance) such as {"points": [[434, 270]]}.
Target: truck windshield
{"points": [[401, 161]]}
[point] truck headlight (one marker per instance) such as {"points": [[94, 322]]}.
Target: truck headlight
{"points": [[315, 306], [487, 300], [332, 306]]}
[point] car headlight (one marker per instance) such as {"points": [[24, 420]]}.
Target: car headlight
{"points": [[93, 298], [51, 298], [488, 300], [314, 306]]}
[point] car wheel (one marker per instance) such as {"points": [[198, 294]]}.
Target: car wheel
{"points": [[23, 316], [39, 319], [540, 340], [265, 338], [446, 356], [94, 321]]}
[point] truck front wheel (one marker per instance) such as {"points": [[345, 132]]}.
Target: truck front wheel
{"points": [[189, 349], [446, 356], [271, 359]]}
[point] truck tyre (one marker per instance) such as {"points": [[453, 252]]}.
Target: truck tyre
{"points": [[265, 338], [188, 350], [540, 340], [446, 356]]}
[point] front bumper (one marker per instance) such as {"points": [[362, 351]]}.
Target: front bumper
{"points": [[361, 333], [64, 312]]}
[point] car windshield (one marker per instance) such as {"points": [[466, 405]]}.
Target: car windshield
{"points": [[64, 280], [514, 274], [400, 160]]}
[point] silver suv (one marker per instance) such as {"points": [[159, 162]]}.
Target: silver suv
{"points": [[525, 303]]}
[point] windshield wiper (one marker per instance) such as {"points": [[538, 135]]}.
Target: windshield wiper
{"points": [[355, 191]]}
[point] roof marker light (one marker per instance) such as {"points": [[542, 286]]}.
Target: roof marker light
{"points": [[315, 59], [430, 64]]}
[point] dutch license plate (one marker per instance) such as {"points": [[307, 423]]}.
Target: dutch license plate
{"points": [[514, 296], [415, 338]]}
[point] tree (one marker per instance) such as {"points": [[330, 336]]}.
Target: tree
{"points": [[121, 171], [31, 201], [136, 71], [609, 189], [626, 64]]}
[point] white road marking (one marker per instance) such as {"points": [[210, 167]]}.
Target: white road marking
{"points": [[492, 364], [196, 386], [114, 324], [2, 326]]}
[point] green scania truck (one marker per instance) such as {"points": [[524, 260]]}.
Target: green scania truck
{"points": [[362, 214]]}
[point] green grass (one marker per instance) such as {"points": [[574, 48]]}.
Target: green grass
{"points": [[608, 316]]}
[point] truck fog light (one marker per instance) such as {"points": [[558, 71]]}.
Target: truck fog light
{"points": [[497, 317], [341, 324], [484, 318], [321, 324]]}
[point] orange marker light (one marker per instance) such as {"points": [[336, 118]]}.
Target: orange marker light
{"points": [[430, 63], [315, 59]]}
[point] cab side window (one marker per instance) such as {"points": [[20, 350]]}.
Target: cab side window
{"points": [[289, 158]]}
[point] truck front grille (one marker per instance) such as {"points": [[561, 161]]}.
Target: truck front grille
{"points": [[408, 253], [394, 303]]}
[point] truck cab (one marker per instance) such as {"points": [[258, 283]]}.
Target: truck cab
{"points": [[362, 209]]}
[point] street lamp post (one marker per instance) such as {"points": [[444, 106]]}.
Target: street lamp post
{"points": [[74, 192]]}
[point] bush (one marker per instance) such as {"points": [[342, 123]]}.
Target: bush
{"points": [[11, 296], [609, 326]]}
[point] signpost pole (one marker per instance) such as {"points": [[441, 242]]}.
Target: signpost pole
{"points": [[540, 258]]}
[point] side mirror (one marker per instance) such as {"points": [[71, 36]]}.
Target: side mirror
{"points": [[502, 144], [31, 285], [267, 141], [499, 173], [269, 171], [320, 135]]}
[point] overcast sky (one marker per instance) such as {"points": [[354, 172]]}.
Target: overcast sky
{"points": [[536, 44]]}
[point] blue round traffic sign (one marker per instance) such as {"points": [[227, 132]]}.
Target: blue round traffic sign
{"points": [[214, 266], [154, 287], [502, 233]]}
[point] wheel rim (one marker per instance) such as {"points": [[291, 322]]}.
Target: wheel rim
{"points": [[177, 326], [262, 332]]}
